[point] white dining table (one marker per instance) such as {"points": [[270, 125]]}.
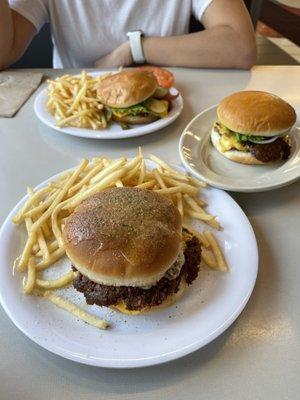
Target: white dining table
{"points": [[258, 357]]}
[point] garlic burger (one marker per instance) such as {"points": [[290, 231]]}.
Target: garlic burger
{"points": [[130, 251], [130, 97], [253, 127]]}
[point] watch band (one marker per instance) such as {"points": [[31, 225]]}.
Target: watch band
{"points": [[136, 46]]}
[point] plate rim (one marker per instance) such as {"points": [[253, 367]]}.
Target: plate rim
{"points": [[146, 361], [99, 134], [211, 182]]}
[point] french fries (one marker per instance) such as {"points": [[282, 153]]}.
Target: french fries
{"points": [[75, 310], [45, 211], [73, 101], [211, 252], [56, 283], [209, 259], [220, 261], [28, 284]]}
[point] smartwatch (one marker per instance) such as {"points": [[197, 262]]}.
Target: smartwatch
{"points": [[135, 40]]}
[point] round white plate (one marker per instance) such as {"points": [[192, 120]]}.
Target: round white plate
{"points": [[210, 305], [114, 131], [203, 161]]}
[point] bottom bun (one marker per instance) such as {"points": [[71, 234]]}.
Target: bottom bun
{"points": [[135, 119], [243, 157], [167, 303]]}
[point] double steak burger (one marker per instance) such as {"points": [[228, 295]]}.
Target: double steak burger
{"points": [[130, 251], [253, 128]]}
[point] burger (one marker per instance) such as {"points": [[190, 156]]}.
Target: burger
{"points": [[253, 127], [133, 97], [130, 251]]}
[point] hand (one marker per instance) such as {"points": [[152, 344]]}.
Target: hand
{"points": [[120, 57]]}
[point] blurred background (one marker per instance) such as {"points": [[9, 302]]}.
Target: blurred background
{"points": [[277, 25]]}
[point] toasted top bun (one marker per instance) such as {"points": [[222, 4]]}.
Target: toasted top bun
{"points": [[256, 113], [124, 236], [126, 88]]}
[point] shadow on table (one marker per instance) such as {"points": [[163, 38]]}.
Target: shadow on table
{"points": [[256, 205], [77, 146], [261, 201], [268, 285], [127, 381]]}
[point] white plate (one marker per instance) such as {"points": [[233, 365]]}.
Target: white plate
{"points": [[203, 161], [114, 131], [210, 305]]}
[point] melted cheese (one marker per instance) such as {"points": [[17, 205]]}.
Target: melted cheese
{"points": [[119, 114], [228, 142], [122, 308]]}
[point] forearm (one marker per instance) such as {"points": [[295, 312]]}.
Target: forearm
{"points": [[6, 31], [217, 47], [16, 33]]}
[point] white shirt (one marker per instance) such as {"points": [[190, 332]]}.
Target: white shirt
{"points": [[85, 30]]}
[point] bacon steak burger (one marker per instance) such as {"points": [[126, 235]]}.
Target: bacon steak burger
{"points": [[130, 96], [130, 251], [253, 127]]}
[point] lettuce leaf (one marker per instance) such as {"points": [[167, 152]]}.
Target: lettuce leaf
{"points": [[133, 110], [240, 137], [245, 138]]}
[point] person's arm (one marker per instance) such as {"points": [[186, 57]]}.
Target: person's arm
{"points": [[16, 32], [227, 42]]}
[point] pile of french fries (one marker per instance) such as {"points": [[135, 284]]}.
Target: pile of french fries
{"points": [[73, 101], [45, 211]]}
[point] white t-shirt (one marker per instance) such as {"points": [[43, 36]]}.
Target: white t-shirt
{"points": [[85, 30]]}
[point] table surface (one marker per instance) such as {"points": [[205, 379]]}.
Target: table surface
{"points": [[289, 3], [259, 356]]}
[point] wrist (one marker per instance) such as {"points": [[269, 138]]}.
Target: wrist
{"points": [[160, 50], [147, 46], [128, 57]]}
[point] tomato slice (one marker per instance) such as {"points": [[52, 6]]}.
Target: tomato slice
{"points": [[164, 77]]}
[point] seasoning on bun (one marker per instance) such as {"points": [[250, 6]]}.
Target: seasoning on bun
{"points": [[129, 96], [253, 127], [129, 249]]}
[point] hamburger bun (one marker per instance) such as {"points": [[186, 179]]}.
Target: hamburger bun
{"points": [[256, 113], [243, 157], [126, 88], [124, 237], [171, 299], [135, 119]]}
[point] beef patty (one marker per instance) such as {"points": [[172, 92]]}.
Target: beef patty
{"points": [[136, 298], [275, 151]]}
